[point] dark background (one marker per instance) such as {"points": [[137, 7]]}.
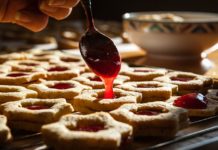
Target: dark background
{"points": [[113, 9]]}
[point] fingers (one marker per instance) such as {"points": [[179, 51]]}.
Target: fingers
{"points": [[54, 12], [3, 8], [63, 3], [35, 21]]}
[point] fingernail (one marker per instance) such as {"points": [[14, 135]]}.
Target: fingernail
{"points": [[56, 2], [22, 17]]}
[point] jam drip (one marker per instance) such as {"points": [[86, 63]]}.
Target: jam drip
{"points": [[148, 112], [37, 107], [16, 74], [57, 69], [62, 86], [90, 128], [182, 78], [191, 101]]}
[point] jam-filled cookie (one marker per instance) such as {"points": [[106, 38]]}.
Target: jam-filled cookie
{"points": [[31, 114], [27, 65], [67, 89], [14, 93], [5, 68], [5, 133], [142, 73], [95, 82], [197, 104], [13, 56], [93, 100], [63, 72], [187, 82], [152, 119], [94, 131], [151, 90], [19, 78], [212, 94], [42, 55]]}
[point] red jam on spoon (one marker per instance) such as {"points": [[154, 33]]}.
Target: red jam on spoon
{"points": [[100, 53], [57, 69], [148, 112], [182, 78], [63, 86], [191, 101], [90, 128], [37, 107], [16, 74]]}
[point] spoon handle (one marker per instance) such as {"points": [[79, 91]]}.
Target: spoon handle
{"points": [[88, 10]]}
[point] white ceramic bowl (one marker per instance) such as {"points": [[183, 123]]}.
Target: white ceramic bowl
{"points": [[172, 34]]}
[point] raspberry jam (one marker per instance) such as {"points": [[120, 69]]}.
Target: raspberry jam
{"points": [[16, 74], [191, 101], [148, 112], [96, 78], [57, 69], [90, 128], [63, 86], [37, 107], [182, 78]]}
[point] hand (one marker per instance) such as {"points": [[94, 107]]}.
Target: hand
{"points": [[34, 14]]}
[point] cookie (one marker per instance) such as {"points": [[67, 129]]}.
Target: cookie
{"points": [[95, 82], [5, 68], [95, 131], [59, 89], [158, 119], [14, 93], [93, 100], [26, 65], [62, 72], [196, 104], [151, 90], [13, 56], [18, 78], [142, 73], [31, 114], [187, 82], [5, 133]]}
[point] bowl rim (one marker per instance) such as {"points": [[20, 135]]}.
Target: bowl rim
{"points": [[132, 16]]}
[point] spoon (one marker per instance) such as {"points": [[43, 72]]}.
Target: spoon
{"points": [[99, 52]]}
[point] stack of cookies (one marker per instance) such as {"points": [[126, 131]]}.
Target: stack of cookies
{"points": [[55, 93]]}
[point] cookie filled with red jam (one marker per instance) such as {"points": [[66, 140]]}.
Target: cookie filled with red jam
{"points": [[31, 114], [151, 90], [186, 82], [196, 103], [96, 82], [93, 100], [67, 89], [19, 78], [94, 131], [158, 119], [5, 133], [142, 73]]}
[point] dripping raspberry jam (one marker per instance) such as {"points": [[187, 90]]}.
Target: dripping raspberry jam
{"points": [[182, 78], [191, 101], [16, 74], [37, 107], [58, 68], [90, 128], [63, 86], [148, 112]]}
